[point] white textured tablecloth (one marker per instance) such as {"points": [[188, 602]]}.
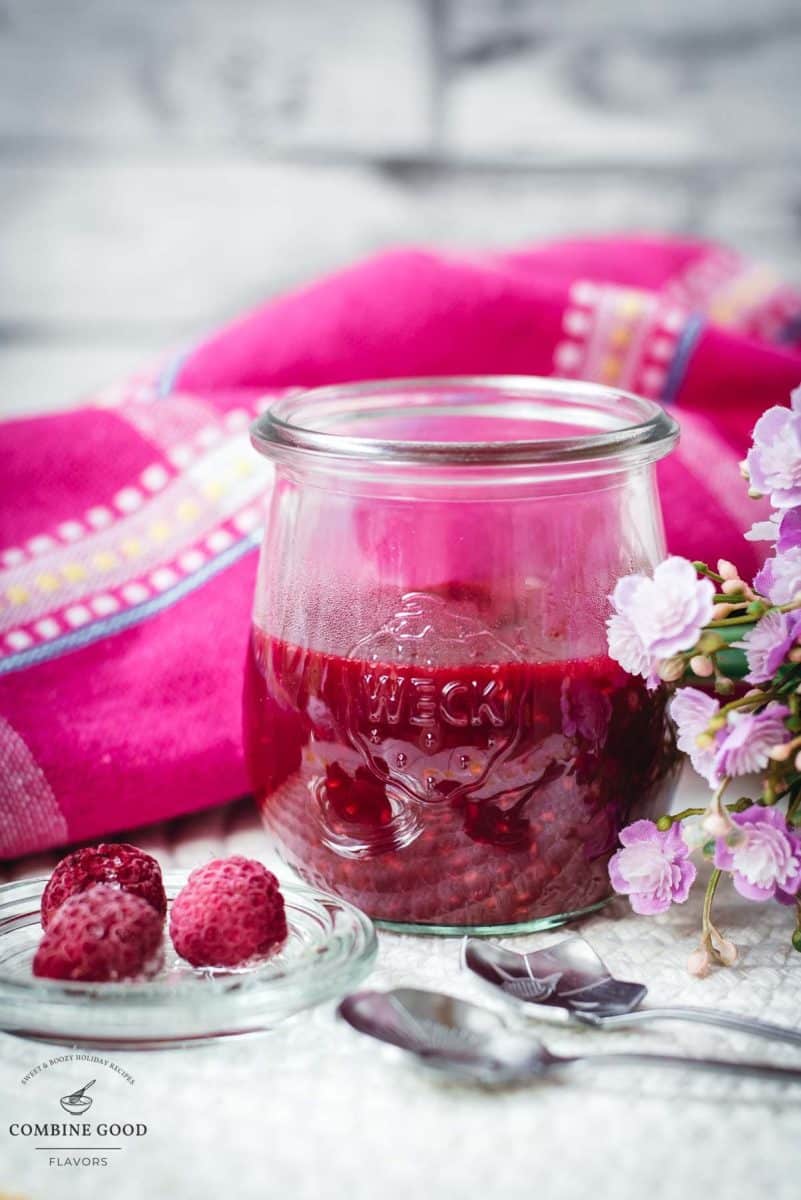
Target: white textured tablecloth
{"points": [[312, 1110]]}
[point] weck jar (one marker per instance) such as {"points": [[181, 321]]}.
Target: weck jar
{"points": [[433, 727]]}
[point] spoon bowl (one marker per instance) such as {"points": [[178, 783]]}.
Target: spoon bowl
{"points": [[568, 979], [447, 1035]]}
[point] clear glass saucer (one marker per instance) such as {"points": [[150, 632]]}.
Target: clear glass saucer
{"points": [[330, 948]]}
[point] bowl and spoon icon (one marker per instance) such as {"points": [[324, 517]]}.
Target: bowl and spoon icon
{"points": [[78, 1102]]}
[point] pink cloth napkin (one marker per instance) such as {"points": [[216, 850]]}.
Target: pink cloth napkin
{"points": [[128, 526]]}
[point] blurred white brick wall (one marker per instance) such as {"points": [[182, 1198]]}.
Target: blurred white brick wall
{"points": [[164, 163]]}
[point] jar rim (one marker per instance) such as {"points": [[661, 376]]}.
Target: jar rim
{"points": [[630, 426]]}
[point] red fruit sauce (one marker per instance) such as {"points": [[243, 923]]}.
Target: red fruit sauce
{"points": [[458, 796]]}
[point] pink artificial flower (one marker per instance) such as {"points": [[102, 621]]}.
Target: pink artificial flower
{"points": [[767, 645], [774, 460], [780, 577], [657, 618], [766, 860], [745, 743], [692, 710], [653, 868]]}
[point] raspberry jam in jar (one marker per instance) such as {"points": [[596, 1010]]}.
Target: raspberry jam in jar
{"points": [[433, 728]]}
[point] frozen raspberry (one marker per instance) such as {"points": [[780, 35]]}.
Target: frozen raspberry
{"points": [[125, 867], [101, 934], [228, 911]]}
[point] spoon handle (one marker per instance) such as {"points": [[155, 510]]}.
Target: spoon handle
{"points": [[705, 1016], [631, 1058]]}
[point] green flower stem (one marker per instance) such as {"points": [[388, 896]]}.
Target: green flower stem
{"points": [[747, 701], [674, 818], [796, 938], [711, 888], [726, 621], [793, 808]]}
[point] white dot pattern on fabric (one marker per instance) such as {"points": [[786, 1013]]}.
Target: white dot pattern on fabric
{"points": [[104, 604], [135, 593], [128, 500], [220, 540], [247, 520], [191, 560], [40, 544], [77, 615], [70, 531], [99, 517], [180, 456], [584, 292], [47, 628], [18, 639], [164, 578], [154, 478]]}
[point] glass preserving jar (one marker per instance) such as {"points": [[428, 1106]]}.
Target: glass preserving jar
{"points": [[433, 727]]}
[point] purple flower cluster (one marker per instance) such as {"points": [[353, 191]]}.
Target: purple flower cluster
{"points": [[654, 870], [659, 619]]}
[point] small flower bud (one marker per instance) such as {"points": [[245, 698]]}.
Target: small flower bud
{"points": [[702, 666], [723, 686], [796, 940], [733, 587], [671, 669], [664, 823], [720, 611], [726, 569], [699, 962], [725, 950], [795, 655], [797, 761], [780, 752], [716, 824]]}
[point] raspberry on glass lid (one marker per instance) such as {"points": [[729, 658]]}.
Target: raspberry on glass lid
{"points": [[118, 864], [230, 910], [101, 934]]}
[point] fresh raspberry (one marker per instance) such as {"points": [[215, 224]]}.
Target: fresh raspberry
{"points": [[101, 934], [125, 867], [228, 911]]}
